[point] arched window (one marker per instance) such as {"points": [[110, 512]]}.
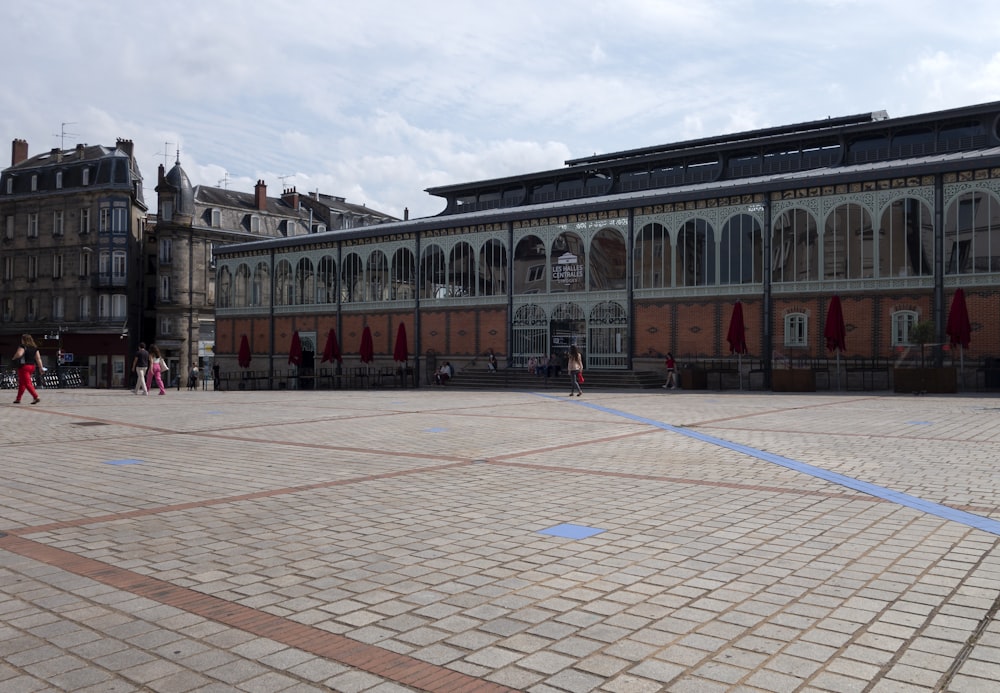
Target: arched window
{"points": [[902, 322], [906, 240], [351, 279], [305, 282], [283, 295], [567, 262], [608, 258], [795, 255], [972, 234], [241, 287], [492, 269], [529, 266], [796, 330], [433, 273], [651, 257], [326, 280], [261, 286], [849, 244], [377, 277], [695, 254], [462, 270], [741, 251], [225, 287], [403, 275]]}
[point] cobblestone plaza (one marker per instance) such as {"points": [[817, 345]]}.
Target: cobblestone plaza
{"points": [[446, 540]]}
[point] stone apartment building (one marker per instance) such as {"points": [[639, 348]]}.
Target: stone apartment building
{"points": [[73, 225], [192, 222]]}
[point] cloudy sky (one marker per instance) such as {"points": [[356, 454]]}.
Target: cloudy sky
{"points": [[378, 100]]}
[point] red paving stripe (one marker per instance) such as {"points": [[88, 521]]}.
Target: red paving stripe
{"points": [[403, 669]]}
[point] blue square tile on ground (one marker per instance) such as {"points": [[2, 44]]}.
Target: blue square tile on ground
{"points": [[569, 531]]}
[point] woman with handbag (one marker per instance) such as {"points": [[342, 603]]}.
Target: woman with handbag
{"points": [[157, 367], [27, 357], [574, 364]]}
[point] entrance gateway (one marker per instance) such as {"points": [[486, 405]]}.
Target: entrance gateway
{"points": [[600, 333]]}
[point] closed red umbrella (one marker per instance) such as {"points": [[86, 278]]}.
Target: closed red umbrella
{"points": [[835, 331], [737, 336], [243, 357], [401, 352], [331, 352], [295, 350], [959, 328], [367, 350]]}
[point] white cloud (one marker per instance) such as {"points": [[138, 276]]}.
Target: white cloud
{"points": [[377, 101]]}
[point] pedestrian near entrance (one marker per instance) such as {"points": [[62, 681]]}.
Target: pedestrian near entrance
{"points": [[574, 364], [27, 357], [140, 364]]}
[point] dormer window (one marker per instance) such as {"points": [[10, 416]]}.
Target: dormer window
{"points": [[289, 227], [34, 182], [59, 180], [86, 177], [10, 185], [255, 224], [167, 210], [215, 218]]}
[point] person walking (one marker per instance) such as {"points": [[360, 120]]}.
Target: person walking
{"points": [[574, 364], [27, 357], [671, 373], [157, 367], [140, 364]]}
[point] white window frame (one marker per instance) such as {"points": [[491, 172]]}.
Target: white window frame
{"points": [[103, 306], [215, 218], [119, 306], [58, 222], [58, 307], [166, 251], [254, 224], [84, 308], [796, 330], [59, 180], [902, 322], [104, 263], [34, 182], [85, 220], [85, 262], [166, 326], [57, 266], [119, 264], [86, 177], [119, 218], [165, 288], [104, 220], [32, 224]]}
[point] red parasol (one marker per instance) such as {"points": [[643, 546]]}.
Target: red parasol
{"points": [[835, 331], [243, 358], [295, 350], [367, 348], [959, 328], [736, 336], [400, 352], [331, 352]]}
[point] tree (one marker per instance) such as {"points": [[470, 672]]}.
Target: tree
{"points": [[922, 333]]}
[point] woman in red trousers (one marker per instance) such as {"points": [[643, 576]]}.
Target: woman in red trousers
{"points": [[27, 357]]}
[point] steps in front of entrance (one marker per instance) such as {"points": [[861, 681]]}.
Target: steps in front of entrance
{"points": [[520, 379]]}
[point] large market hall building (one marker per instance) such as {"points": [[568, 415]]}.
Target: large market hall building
{"points": [[634, 254]]}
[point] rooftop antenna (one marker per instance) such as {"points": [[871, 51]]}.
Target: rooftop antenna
{"points": [[63, 134], [224, 181], [283, 178], [165, 154]]}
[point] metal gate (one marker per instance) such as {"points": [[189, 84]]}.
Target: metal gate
{"points": [[530, 335], [607, 335]]}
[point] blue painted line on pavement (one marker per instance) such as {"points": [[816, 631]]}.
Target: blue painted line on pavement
{"points": [[120, 463], [931, 508], [570, 531]]}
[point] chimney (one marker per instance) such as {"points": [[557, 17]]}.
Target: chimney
{"points": [[406, 213], [18, 151], [125, 146], [290, 197], [56, 154], [260, 195], [79, 150]]}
